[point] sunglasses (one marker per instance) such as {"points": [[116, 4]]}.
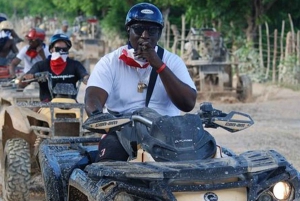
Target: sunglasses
{"points": [[139, 29], [61, 49], [31, 40]]}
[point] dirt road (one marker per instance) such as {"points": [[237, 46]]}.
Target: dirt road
{"points": [[276, 113]]}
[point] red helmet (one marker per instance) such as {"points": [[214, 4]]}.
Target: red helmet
{"points": [[36, 33]]}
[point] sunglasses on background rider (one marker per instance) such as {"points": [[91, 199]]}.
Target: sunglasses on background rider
{"points": [[61, 49], [139, 29]]}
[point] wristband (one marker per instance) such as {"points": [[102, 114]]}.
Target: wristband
{"points": [[160, 69]]}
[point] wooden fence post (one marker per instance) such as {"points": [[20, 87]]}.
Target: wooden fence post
{"points": [[182, 34], [167, 45], [176, 38], [268, 51], [281, 53], [274, 57], [262, 68], [293, 33], [297, 73]]}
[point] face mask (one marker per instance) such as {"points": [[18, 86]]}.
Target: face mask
{"points": [[58, 62], [5, 34], [128, 57], [8, 33]]}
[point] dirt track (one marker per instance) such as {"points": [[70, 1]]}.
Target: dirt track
{"points": [[276, 113]]}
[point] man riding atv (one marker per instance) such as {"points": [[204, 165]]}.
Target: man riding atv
{"points": [[35, 51], [62, 68], [7, 44], [121, 80], [14, 35]]}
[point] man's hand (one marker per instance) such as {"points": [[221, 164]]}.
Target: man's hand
{"points": [[40, 50], [23, 84], [15, 62], [27, 77], [147, 51]]}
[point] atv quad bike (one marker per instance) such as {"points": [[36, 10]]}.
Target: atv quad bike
{"points": [[22, 131], [176, 160], [10, 94], [208, 62]]}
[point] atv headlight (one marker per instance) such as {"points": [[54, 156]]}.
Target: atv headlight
{"points": [[17, 81], [282, 190]]}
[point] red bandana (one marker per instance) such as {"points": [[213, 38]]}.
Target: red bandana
{"points": [[58, 65], [31, 53], [128, 58]]}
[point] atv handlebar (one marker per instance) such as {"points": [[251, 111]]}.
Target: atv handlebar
{"points": [[210, 117], [60, 88], [39, 77]]}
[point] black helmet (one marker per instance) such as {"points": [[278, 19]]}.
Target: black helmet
{"points": [[59, 37], [144, 12]]}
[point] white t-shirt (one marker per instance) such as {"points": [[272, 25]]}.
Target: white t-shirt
{"points": [[120, 82], [59, 31], [28, 62]]}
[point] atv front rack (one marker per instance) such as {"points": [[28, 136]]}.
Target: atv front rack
{"points": [[54, 119]]}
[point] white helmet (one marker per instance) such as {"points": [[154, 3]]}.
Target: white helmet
{"points": [[6, 25]]}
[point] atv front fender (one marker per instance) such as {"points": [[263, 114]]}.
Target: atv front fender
{"points": [[22, 118]]}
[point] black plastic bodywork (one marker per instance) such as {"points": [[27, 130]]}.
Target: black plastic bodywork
{"points": [[68, 168]]}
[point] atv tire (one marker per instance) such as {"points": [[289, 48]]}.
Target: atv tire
{"points": [[244, 88], [16, 170]]}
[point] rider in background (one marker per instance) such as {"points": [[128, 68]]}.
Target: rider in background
{"points": [[35, 51], [64, 29], [120, 79], [7, 44], [14, 35], [62, 68], [79, 20]]}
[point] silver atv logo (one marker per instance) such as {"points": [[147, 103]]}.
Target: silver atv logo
{"points": [[210, 196]]}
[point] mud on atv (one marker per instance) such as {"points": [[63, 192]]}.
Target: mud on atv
{"points": [[22, 131], [177, 160]]}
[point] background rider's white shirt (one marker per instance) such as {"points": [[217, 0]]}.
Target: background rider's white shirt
{"points": [[59, 31], [120, 82], [28, 62]]}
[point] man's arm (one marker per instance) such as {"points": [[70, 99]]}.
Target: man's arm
{"points": [[85, 79], [82, 72], [14, 47], [40, 50], [26, 76], [29, 75], [181, 94], [95, 99], [15, 62]]}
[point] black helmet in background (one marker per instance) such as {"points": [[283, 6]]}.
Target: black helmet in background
{"points": [[59, 37], [144, 12]]}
